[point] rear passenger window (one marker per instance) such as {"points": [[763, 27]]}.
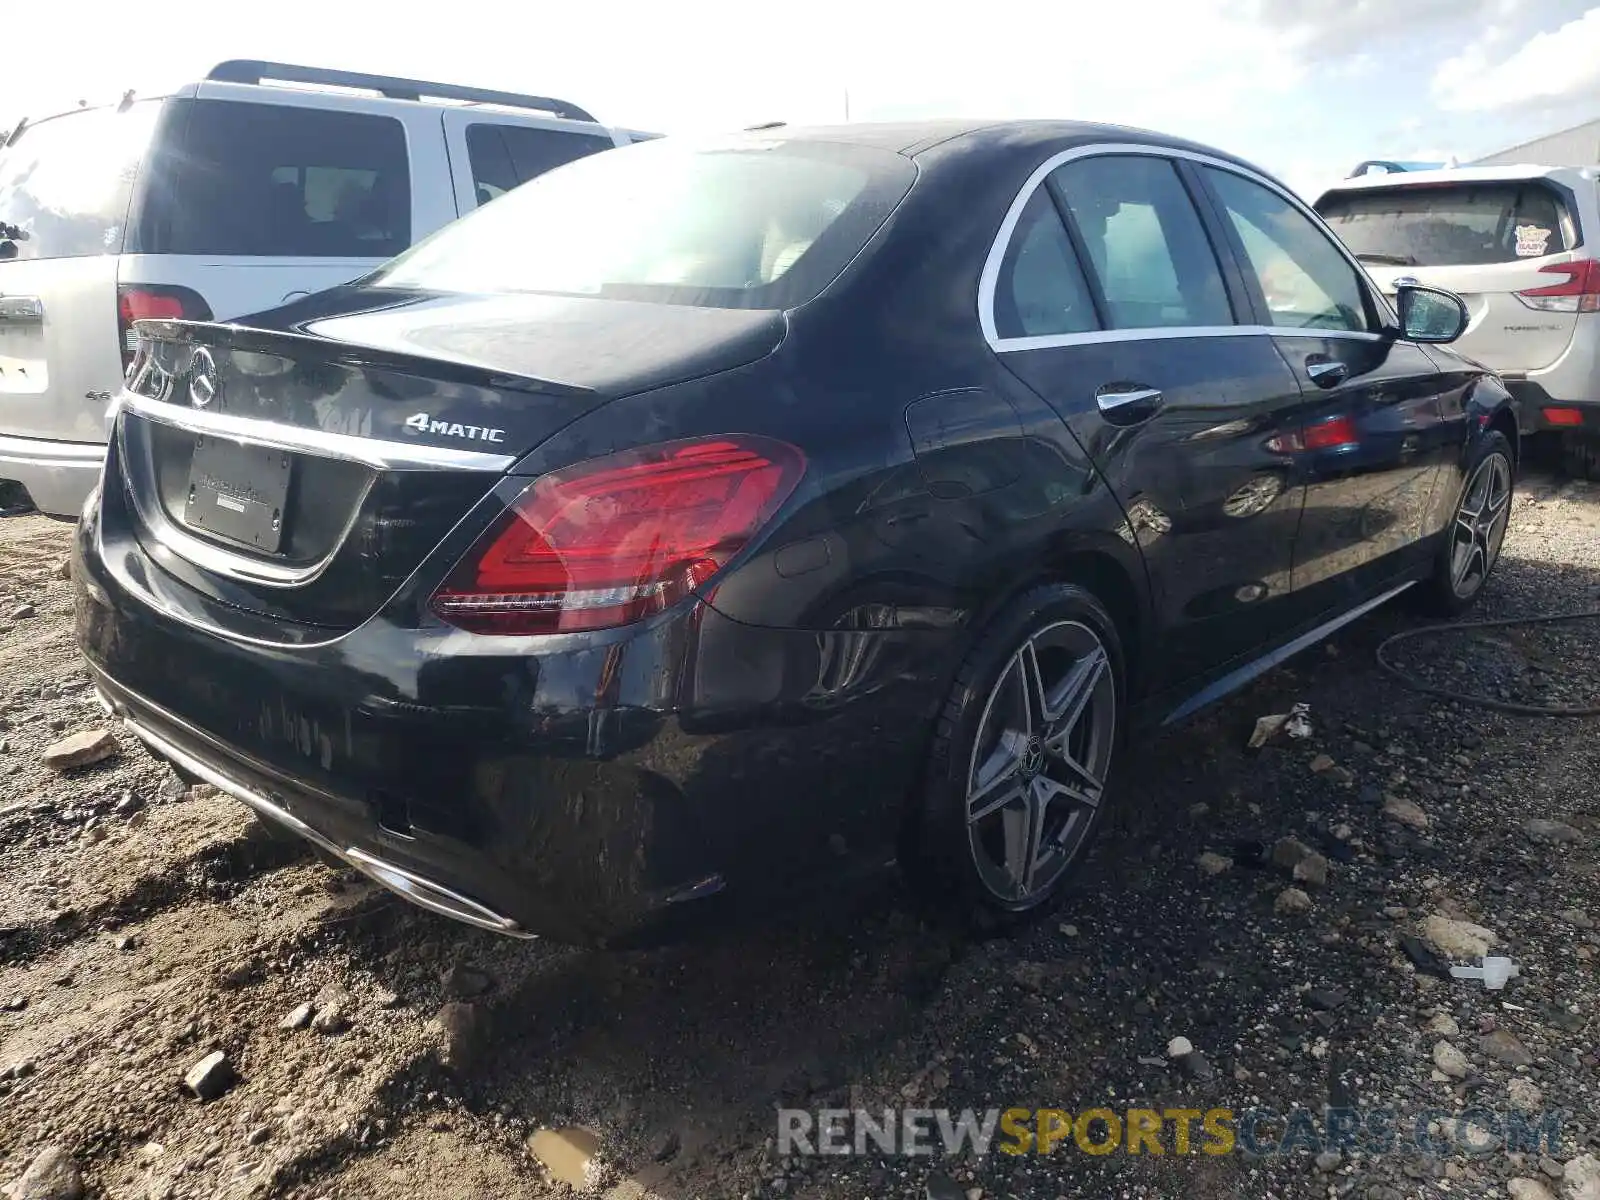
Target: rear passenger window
{"points": [[279, 181], [502, 156], [1145, 242], [1041, 289], [1306, 282]]}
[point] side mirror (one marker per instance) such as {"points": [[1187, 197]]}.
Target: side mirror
{"points": [[1429, 314]]}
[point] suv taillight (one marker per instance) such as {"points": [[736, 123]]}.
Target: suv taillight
{"points": [[149, 301], [615, 539], [1578, 292]]}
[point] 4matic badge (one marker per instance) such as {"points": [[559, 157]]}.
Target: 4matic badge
{"points": [[423, 423]]}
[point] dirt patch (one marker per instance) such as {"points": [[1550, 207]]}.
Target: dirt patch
{"points": [[144, 925]]}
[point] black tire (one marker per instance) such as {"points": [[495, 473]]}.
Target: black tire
{"points": [[1580, 455], [946, 848], [1446, 593]]}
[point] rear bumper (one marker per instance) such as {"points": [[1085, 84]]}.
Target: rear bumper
{"points": [[579, 787], [1532, 399], [58, 475]]}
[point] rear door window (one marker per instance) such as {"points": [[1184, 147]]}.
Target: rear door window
{"points": [[1305, 282], [1145, 241], [278, 181], [65, 183], [1465, 224], [1041, 289], [502, 156]]}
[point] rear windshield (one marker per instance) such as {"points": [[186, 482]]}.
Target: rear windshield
{"points": [[1432, 225], [65, 183], [276, 180], [746, 223]]}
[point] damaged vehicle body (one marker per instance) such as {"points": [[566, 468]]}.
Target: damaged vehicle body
{"points": [[705, 519]]}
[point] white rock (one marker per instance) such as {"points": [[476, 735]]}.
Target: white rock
{"points": [[1582, 1179], [1179, 1047], [1444, 1025], [1450, 1060], [1524, 1095], [1407, 812], [1458, 939], [1528, 1189]]}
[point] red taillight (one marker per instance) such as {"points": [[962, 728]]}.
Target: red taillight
{"points": [[1563, 416], [615, 539], [1329, 434], [1578, 292], [151, 302]]}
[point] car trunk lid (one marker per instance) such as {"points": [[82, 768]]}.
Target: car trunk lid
{"points": [[303, 474]]}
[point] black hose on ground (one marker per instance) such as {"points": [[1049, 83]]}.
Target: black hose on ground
{"points": [[1510, 706]]}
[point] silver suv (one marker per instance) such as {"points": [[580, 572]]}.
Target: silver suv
{"points": [[1519, 244], [253, 187]]}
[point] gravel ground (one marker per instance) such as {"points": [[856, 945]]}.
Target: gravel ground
{"points": [[145, 926]]}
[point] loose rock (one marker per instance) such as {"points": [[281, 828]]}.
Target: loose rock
{"points": [[1528, 1189], [1524, 1095], [331, 1018], [1287, 854], [23, 611], [465, 983], [1450, 1060], [1458, 939], [80, 750], [1291, 901], [1504, 1047], [458, 1030], [1179, 1046], [1213, 864], [1581, 1179], [1321, 763], [210, 1077], [299, 1017], [1550, 831], [52, 1175], [1312, 870], [1407, 812]]}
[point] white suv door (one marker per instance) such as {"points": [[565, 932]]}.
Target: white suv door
{"points": [[502, 150], [1507, 247]]}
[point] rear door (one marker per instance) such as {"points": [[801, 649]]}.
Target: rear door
{"points": [[1376, 432], [250, 202], [1184, 409], [65, 186], [1485, 241], [493, 152]]}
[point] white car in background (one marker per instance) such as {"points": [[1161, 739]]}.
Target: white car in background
{"points": [[1519, 245], [260, 184]]}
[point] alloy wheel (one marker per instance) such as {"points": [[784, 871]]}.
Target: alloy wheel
{"points": [[1480, 525], [1039, 762]]}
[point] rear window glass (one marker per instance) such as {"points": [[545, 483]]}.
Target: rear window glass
{"points": [[278, 181], [66, 182], [502, 156], [745, 223], [1468, 224]]}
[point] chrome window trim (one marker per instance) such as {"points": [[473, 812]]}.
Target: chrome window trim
{"points": [[1002, 241], [369, 452]]}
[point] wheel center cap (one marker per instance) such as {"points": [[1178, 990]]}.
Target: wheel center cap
{"points": [[1033, 757]]}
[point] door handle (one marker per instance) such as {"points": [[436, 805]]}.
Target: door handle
{"points": [[1116, 397], [1326, 372]]}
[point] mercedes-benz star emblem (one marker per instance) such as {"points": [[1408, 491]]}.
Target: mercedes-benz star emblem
{"points": [[1033, 757], [204, 383]]}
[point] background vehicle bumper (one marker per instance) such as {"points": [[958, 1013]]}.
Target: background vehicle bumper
{"points": [[580, 787], [58, 475], [1533, 400]]}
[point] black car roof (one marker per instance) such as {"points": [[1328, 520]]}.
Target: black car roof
{"points": [[914, 138]]}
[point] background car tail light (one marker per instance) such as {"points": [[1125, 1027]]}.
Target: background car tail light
{"points": [[1578, 292], [1563, 416], [612, 540], [144, 302]]}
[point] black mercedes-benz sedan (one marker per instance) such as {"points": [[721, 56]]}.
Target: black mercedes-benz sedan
{"points": [[705, 519]]}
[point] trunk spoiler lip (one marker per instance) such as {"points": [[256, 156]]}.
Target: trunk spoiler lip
{"points": [[278, 341]]}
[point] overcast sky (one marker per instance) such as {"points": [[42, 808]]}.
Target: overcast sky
{"points": [[1306, 88]]}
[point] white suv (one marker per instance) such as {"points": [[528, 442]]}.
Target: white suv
{"points": [[1518, 244], [260, 184]]}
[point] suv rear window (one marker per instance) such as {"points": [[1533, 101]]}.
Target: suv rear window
{"points": [[66, 182], [1434, 225], [276, 180], [741, 223]]}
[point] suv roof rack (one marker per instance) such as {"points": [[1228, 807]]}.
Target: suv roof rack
{"points": [[241, 70]]}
